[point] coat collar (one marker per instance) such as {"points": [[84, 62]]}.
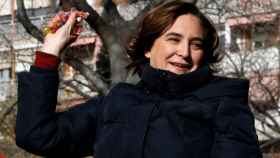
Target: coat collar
{"points": [[165, 82]]}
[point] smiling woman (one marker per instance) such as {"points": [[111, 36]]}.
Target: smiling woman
{"points": [[174, 26], [178, 109], [179, 50]]}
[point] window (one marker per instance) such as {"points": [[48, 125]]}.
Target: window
{"points": [[5, 74], [258, 44]]}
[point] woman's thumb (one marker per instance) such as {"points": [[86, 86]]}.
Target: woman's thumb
{"points": [[72, 19]]}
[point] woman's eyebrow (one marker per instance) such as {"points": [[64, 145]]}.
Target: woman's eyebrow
{"points": [[174, 34]]}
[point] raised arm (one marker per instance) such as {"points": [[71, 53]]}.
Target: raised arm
{"points": [[39, 129]]}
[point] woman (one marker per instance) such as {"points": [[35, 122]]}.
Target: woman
{"points": [[179, 108]]}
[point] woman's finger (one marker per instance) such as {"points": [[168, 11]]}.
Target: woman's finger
{"points": [[72, 19]]}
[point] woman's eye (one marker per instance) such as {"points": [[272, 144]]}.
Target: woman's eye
{"points": [[197, 46], [175, 40]]}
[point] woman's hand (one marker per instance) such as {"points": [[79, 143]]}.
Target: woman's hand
{"points": [[63, 36]]}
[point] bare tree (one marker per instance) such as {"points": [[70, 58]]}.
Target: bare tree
{"points": [[115, 32], [253, 54]]}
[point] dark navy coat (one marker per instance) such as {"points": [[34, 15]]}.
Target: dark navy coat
{"points": [[196, 115]]}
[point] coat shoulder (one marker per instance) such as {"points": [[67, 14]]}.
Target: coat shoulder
{"points": [[224, 86]]}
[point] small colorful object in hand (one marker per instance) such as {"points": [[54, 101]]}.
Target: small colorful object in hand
{"points": [[61, 18]]}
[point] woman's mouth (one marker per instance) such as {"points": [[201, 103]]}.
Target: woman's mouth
{"points": [[181, 66]]}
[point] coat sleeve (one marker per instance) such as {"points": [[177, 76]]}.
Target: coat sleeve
{"points": [[42, 131], [235, 134]]}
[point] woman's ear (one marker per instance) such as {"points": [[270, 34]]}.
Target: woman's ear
{"points": [[148, 54]]}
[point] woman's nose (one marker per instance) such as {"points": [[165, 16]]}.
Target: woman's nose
{"points": [[184, 49]]}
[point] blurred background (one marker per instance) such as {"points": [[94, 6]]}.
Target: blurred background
{"points": [[249, 33]]}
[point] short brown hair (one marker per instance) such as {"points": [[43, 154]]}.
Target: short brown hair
{"points": [[158, 20]]}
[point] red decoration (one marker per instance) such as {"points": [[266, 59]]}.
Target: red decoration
{"points": [[61, 18]]}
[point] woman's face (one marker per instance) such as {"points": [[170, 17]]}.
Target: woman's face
{"points": [[180, 48]]}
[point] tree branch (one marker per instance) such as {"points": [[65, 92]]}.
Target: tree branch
{"points": [[111, 41], [111, 14], [76, 88], [92, 77], [270, 143], [148, 7], [25, 21]]}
